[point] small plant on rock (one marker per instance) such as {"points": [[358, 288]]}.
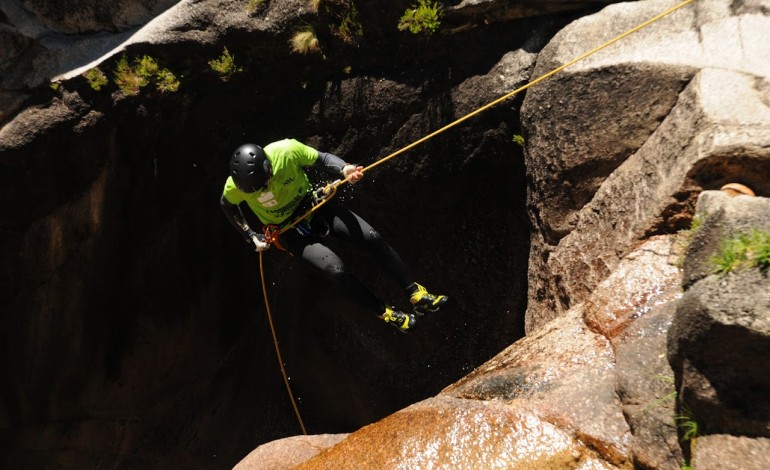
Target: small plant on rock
{"points": [[305, 41], [518, 140], [762, 252], [350, 28], [685, 239], [96, 78], [746, 250], [147, 68], [314, 5], [126, 77], [131, 78], [166, 81], [424, 17], [690, 430], [225, 66], [254, 5]]}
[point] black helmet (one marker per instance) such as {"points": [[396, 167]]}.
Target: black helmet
{"points": [[249, 167]]}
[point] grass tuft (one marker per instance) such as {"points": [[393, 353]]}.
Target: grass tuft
{"points": [[314, 5], [424, 17], [96, 78], [130, 78], [126, 78], [305, 41], [744, 251], [690, 431], [225, 66]]}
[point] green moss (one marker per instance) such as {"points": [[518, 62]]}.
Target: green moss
{"points": [[518, 140], [225, 65], [422, 18]]}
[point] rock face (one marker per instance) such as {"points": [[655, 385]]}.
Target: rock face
{"points": [[132, 323], [43, 39], [288, 452], [720, 340], [620, 144], [564, 397]]}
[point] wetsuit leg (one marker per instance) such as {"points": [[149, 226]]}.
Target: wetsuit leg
{"points": [[313, 251], [346, 224]]}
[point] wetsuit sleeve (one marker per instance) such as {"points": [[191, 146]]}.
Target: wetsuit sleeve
{"points": [[330, 163], [235, 216]]}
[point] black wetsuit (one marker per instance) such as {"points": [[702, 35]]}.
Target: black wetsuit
{"points": [[335, 220], [306, 241]]}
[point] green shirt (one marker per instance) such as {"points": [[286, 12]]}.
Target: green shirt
{"points": [[285, 189]]}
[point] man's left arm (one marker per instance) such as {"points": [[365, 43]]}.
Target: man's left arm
{"points": [[334, 165]]}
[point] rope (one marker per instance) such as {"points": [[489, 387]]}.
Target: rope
{"points": [[277, 349], [331, 189]]}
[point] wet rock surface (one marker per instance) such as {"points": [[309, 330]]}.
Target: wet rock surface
{"points": [[288, 452], [454, 433], [564, 397]]}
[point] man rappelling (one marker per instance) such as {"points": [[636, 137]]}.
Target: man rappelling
{"points": [[274, 185]]}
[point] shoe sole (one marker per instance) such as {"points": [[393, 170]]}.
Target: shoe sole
{"points": [[438, 306], [408, 330]]}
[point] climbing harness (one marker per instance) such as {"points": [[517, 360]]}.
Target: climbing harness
{"points": [[271, 233], [323, 195]]}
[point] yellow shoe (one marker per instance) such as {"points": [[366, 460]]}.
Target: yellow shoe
{"points": [[425, 302], [403, 321]]}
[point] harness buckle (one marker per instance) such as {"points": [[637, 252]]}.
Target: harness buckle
{"points": [[325, 192], [272, 233]]}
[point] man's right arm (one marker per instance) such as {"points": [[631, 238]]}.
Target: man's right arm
{"points": [[236, 218]]}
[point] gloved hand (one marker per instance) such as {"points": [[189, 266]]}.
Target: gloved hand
{"points": [[353, 173], [259, 242]]}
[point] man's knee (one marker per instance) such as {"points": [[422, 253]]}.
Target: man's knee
{"points": [[335, 270], [377, 244]]}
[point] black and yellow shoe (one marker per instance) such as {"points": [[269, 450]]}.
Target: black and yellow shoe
{"points": [[403, 321], [425, 302]]}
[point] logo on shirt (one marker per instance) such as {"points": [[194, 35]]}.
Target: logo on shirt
{"points": [[267, 199]]}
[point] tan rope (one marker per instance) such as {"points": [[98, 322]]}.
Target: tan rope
{"points": [[277, 349], [331, 189]]}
